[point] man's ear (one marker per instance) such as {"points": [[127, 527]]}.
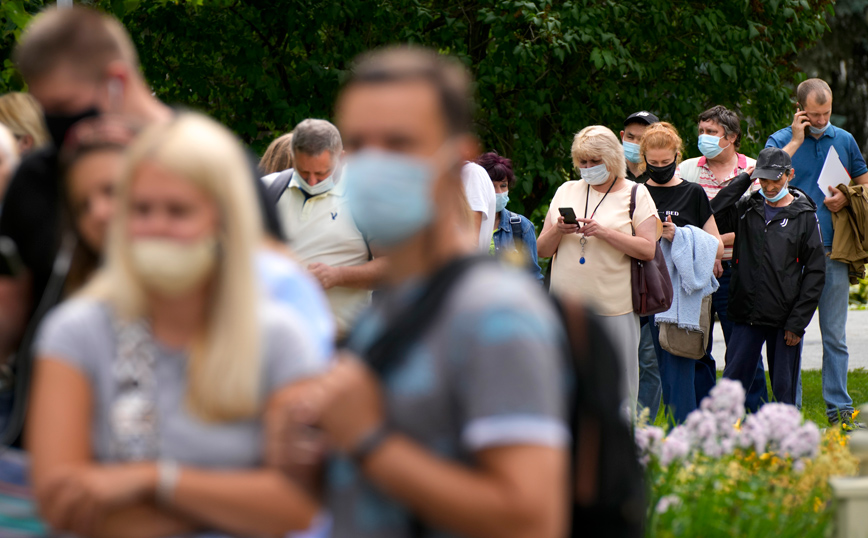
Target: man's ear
{"points": [[622, 136]]}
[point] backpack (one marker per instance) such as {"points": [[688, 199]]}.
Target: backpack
{"points": [[608, 491], [275, 189]]}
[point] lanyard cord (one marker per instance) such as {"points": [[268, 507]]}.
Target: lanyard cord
{"points": [[588, 195]]}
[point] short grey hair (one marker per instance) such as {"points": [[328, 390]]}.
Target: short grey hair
{"points": [[312, 137]]}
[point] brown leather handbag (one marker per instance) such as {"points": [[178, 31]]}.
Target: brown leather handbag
{"points": [[652, 286]]}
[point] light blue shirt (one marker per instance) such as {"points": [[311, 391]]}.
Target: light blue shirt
{"points": [[808, 162]]}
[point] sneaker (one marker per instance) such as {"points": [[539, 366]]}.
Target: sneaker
{"points": [[847, 420]]}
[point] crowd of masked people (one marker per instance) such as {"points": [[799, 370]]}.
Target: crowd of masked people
{"points": [[353, 336]]}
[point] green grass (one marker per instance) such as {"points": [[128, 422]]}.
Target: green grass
{"points": [[813, 406]]}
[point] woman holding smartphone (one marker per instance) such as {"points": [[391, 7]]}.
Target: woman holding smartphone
{"points": [[591, 258]]}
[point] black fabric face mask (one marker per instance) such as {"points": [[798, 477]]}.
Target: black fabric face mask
{"points": [[661, 174], [60, 124]]}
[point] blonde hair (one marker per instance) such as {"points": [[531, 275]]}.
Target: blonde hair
{"points": [[278, 156], [8, 147], [21, 113], [224, 365], [598, 142], [660, 135]]}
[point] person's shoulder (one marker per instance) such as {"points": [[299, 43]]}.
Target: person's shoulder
{"points": [[781, 136], [34, 168], [749, 161], [572, 185], [493, 285], [79, 312], [689, 163], [474, 172]]}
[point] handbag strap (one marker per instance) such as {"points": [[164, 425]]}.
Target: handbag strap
{"points": [[633, 206]]}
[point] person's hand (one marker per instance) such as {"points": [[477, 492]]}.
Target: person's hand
{"points": [[78, 497], [592, 228], [800, 123], [565, 229], [327, 275], [292, 443], [836, 201], [669, 228], [350, 403], [749, 170], [791, 339], [718, 268]]}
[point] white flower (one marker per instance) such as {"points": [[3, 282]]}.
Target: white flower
{"points": [[667, 502]]}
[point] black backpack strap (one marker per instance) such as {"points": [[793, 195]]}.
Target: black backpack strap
{"points": [[275, 190], [390, 349]]}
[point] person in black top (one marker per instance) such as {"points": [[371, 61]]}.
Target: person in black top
{"points": [[777, 278], [679, 203], [78, 63]]}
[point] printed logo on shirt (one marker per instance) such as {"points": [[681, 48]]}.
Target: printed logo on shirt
{"points": [[334, 215], [672, 213], [784, 223]]}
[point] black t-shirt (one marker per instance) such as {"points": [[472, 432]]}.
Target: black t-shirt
{"points": [[31, 215], [641, 178], [686, 203]]}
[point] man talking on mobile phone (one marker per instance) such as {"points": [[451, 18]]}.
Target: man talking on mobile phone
{"points": [[808, 141]]}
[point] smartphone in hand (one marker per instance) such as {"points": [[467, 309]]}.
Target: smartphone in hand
{"points": [[569, 215]]}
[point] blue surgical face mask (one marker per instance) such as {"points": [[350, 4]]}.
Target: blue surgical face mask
{"points": [[817, 131], [322, 187], [389, 195], [501, 199], [595, 175], [710, 145], [779, 196], [631, 152]]}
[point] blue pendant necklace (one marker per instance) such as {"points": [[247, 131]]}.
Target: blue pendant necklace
{"points": [[584, 240]]}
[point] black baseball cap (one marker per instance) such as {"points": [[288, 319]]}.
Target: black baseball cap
{"points": [[772, 163], [641, 117]]}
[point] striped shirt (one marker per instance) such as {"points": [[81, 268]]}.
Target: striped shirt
{"points": [[710, 184]]}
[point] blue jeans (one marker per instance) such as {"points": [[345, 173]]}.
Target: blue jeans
{"points": [[757, 393], [650, 390], [833, 326], [677, 377]]}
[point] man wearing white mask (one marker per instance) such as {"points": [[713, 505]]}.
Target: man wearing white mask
{"points": [[319, 227]]}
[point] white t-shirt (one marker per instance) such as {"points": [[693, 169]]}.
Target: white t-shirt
{"points": [[480, 195]]}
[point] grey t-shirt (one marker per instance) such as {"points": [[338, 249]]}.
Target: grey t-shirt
{"points": [[79, 332], [487, 373]]}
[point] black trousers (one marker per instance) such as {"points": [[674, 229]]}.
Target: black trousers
{"points": [[743, 354]]}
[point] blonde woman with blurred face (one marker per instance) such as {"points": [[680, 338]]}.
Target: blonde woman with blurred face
{"points": [[21, 113], [592, 256], [150, 385], [9, 159]]}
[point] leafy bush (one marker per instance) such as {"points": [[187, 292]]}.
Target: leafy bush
{"points": [[721, 474]]}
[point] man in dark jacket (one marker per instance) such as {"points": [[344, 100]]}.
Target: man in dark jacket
{"points": [[777, 278]]}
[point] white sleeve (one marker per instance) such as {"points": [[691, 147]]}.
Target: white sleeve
{"points": [[478, 188]]}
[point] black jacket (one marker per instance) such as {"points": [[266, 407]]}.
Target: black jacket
{"points": [[779, 268]]}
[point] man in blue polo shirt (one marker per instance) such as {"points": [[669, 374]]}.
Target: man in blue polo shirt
{"points": [[808, 141]]}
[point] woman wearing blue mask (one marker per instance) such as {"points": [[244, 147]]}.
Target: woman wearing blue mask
{"points": [[513, 233], [591, 258]]}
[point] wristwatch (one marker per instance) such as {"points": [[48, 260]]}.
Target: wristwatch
{"points": [[370, 442]]}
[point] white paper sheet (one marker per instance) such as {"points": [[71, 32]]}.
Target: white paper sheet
{"points": [[833, 173]]}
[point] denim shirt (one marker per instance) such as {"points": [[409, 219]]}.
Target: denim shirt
{"points": [[503, 240]]}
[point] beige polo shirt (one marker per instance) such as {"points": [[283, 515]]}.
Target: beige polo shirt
{"points": [[321, 230], [604, 280]]}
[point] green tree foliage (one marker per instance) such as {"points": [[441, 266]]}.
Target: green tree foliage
{"points": [[545, 68], [841, 59]]}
